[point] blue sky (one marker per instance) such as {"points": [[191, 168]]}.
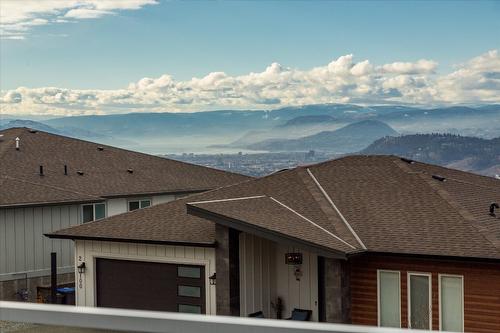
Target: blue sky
{"points": [[187, 39]]}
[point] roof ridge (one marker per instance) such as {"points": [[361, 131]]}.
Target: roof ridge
{"points": [[446, 168], [327, 197], [317, 195], [447, 198], [134, 152], [313, 223]]}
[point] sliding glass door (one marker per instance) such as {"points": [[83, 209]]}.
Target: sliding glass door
{"points": [[419, 301]]}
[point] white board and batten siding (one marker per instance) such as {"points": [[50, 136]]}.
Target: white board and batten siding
{"points": [[120, 205], [88, 251], [264, 277], [24, 250]]}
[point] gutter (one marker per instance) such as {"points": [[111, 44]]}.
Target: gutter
{"points": [[434, 257], [129, 240], [51, 203]]}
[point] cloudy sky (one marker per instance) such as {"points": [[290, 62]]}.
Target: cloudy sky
{"points": [[76, 57]]}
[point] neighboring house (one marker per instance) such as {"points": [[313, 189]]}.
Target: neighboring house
{"points": [[374, 240], [49, 182]]}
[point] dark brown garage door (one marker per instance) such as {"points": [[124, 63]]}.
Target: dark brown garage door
{"points": [[150, 286]]}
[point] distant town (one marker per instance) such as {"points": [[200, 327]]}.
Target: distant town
{"points": [[256, 165]]}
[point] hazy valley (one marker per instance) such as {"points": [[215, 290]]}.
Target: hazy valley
{"points": [[327, 129]]}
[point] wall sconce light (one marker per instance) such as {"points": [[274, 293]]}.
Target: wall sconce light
{"points": [[212, 279], [297, 272], [81, 270]]}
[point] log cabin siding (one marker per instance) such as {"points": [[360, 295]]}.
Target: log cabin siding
{"points": [[481, 289]]}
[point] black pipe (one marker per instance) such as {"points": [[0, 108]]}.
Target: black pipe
{"points": [[492, 208], [53, 277], [65, 169], [41, 170]]}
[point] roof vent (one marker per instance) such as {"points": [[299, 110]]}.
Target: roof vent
{"points": [[100, 148], [438, 177], [407, 160], [280, 170], [493, 206], [80, 172], [65, 170], [130, 170], [41, 170], [17, 143], [32, 130]]}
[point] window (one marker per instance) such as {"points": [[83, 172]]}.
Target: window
{"points": [[136, 204], [189, 272], [189, 291], [187, 308], [389, 298], [451, 303], [419, 301], [93, 212]]}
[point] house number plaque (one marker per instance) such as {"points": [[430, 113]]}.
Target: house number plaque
{"points": [[293, 258]]}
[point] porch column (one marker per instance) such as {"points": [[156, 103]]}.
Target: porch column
{"points": [[227, 270], [337, 296]]}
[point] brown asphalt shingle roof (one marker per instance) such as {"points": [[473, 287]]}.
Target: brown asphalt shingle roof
{"points": [[164, 223], [386, 205], [392, 206], [104, 171]]}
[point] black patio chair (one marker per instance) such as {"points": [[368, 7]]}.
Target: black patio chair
{"points": [[300, 315], [258, 314]]}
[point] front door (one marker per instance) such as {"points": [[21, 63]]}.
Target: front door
{"points": [[419, 301]]}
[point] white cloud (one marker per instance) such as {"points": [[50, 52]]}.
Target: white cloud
{"points": [[475, 81], [422, 66], [18, 17], [341, 81], [85, 13]]}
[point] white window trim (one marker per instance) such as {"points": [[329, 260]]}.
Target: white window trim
{"points": [[429, 275], [93, 210], [139, 200], [463, 297], [378, 293]]}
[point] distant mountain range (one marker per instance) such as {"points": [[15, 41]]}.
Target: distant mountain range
{"points": [[465, 153], [349, 138], [220, 131], [74, 132], [309, 120]]}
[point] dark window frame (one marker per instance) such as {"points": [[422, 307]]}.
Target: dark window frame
{"points": [[93, 205], [139, 202]]}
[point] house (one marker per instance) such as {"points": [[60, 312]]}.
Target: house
{"points": [[49, 182], [374, 240]]}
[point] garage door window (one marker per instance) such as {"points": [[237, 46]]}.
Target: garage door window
{"points": [[186, 308], [189, 272], [189, 291]]}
